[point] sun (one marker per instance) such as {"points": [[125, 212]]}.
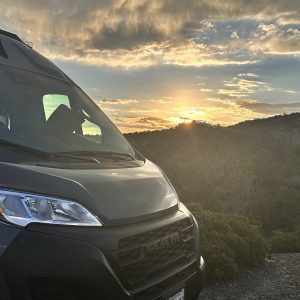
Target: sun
{"points": [[187, 121], [181, 120]]}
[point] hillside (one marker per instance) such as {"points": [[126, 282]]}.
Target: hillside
{"points": [[286, 127], [251, 168], [291, 121]]}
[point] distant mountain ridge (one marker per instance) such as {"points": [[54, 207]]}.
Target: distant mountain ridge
{"points": [[286, 120], [284, 127]]}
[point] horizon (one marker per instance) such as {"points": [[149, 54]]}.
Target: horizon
{"points": [[199, 122], [151, 65]]}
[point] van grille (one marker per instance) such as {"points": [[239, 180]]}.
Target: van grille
{"points": [[159, 289], [144, 255]]}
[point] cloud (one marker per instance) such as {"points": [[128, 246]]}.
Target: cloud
{"points": [[116, 101], [248, 75], [131, 124], [155, 122], [232, 93], [245, 85], [189, 54], [206, 90], [274, 39], [241, 87], [142, 33], [270, 109], [235, 35]]}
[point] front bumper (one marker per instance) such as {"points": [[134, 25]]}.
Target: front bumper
{"points": [[51, 263]]}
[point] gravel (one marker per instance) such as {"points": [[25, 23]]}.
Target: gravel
{"points": [[279, 278]]}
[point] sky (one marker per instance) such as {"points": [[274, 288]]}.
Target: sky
{"points": [[151, 64]]}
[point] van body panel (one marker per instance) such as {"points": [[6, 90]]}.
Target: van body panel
{"points": [[113, 194]]}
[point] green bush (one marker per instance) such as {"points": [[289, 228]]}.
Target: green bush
{"points": [[281, 242], [228, 243]]}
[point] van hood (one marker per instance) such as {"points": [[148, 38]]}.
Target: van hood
{"points": [[115, 195]]}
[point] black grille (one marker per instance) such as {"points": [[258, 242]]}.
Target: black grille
{"points": [[156, 291], [169, 246]]}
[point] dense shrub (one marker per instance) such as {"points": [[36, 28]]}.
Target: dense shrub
{"points": [[281, 242], [228, 243]]}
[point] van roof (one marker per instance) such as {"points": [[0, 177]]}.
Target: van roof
{"points": [[15, 53], [10, 34]]}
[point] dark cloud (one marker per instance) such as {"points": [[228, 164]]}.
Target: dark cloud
{"points": [[131, 123], [154, 121], [127, 24], [123, 37], [268, 108]]}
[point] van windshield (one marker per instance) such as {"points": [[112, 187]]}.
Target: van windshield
{"points": [[53, 116]]}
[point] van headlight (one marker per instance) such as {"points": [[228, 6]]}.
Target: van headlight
{"points": [[22, 208]]}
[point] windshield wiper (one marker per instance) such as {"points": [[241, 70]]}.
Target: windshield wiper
{"points": [[75, 156], [78, 155], [40, 153], [98, 153], [23, 148]]}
